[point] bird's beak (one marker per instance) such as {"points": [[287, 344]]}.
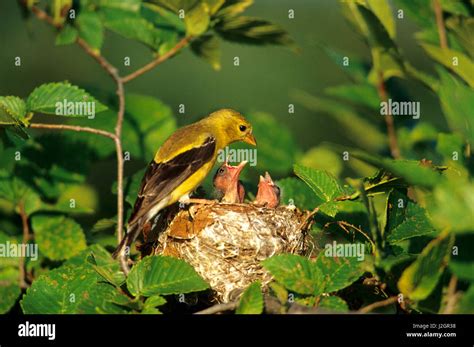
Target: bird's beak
{"points": [[238, 170], [250, 139]]}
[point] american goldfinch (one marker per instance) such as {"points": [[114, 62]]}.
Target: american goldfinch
{"points": [[268, 193], [226, 181], [181, 164]]}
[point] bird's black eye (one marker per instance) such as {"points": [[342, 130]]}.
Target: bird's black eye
{"points": [[242, 128], [221, 170]]}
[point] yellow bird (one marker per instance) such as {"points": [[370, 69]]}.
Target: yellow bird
{"points": [[181, 164]]}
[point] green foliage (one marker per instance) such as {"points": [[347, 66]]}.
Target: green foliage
{"points": [[163, 275], [251, 301]]}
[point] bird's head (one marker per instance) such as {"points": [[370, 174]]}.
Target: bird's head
{"points": [[227, 177], [268, 193], [233, 126]]}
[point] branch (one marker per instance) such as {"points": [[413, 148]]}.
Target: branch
{"points": [[219, 308], [26, 237], [73, 128], [392, 135], [452, 296], [378, 304], [160, 59], [443, 40]]}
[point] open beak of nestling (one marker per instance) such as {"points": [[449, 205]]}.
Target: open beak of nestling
{"points": [[250, 139], [236, 170], [268, 193]]}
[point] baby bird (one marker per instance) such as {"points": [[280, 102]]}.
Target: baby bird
{"points": [[226, 181], [268, 193]]}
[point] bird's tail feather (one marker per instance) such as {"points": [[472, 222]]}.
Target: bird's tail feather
{"points": [[132, 232]]}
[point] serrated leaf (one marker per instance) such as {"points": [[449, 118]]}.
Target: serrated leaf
{"points": [[66, 36], [420, 278], [207, 48], [296, 191], [464, 67], [70, 289], [251, 301], [163, 275], [252, 30], [405, 219], [333, 303], [14, 106], [132, 26], [338, 272], [9, 294], [16, 192], [296, 273], [58, 237], [50, 98], [106, 266]]}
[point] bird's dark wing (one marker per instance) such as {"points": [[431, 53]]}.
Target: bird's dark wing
{"points": [[162, 178]]}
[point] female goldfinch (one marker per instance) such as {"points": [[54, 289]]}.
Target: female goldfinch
{"points": [[181, 164]]}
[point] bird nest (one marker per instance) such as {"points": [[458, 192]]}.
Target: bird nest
{"points": [[226, 243]]}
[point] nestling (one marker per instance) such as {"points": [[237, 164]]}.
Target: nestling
{"points": [[227, 183], [268, 193]]}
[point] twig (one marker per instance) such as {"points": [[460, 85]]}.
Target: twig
{"points": [[392, 135], [377, 304], [73, 128], [219, 308], [181, 44], [452, 296], [26, 237], [443, 40]]}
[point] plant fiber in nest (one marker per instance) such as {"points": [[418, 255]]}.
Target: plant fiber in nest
{"points": [[226, 243]]}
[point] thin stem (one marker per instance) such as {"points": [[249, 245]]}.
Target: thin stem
{"points": [[160, 59], [219, 308], [26, 237], [443, 40], [73, 128], [391, 132], [378, 304], [452, 296]]}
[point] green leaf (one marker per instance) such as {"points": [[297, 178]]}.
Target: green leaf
{"points": [[149, 122], [251, 301], [405, 219], [197, 19], [207, 48], [363, 94], [9, 294], [163, 275], [14, 106], [463, 29], [324, 185], [420, 278], [447, 57], [252, 30], [70, 289], [457, 102], [232, 8], [66, 36], [106, 266], [456, 7], [333, 303], [16, 192], [384, 13], [322, 158], [50, 98], [91, 29], [296, 190], [151, 303], [132, 26], [338, 272], [58, 237], [296, 273], [411, 170], [420, 11]]}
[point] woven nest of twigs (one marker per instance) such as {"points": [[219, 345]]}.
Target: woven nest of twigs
{"points": [[225, 243]]}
